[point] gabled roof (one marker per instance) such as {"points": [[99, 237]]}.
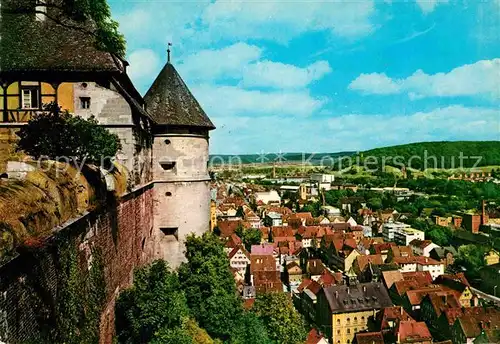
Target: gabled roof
{"points": [[391, 277], [29, 45], [171, 103], [314, 337], [395, 314], [363, 260]]}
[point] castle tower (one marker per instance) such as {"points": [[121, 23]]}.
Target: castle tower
{"points": [[180, 164]]}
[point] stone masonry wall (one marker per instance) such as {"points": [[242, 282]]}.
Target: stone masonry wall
{"points": [[30, 284]]}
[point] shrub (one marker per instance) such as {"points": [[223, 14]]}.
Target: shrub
{"points": [[56, 134]]}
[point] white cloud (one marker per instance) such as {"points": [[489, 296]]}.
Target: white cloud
{"points": [[375, 83], [477, 79], [243, 62], [282, 20], [219, 63], [236, 101], [144, 65], [252, 134], [279, 75]]}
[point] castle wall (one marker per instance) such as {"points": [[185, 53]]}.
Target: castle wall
{"points": [[34, 285]]}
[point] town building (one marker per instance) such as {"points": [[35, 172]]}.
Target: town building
{"points": [[404, 236], [422, 247], [267, 197], [342, 311], [390, 228]]}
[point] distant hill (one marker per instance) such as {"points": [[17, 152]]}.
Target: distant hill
{"points": [[447, 154], [284, 158]]}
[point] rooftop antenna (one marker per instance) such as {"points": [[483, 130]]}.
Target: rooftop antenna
{"points": [[168, 52]]}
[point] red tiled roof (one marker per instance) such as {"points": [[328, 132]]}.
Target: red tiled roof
{"points": [[420, 243], [315, 267], [314, 337], [328, 279], [402, 251], [380, 248], [369, 338], [262, 262], [233, 241], [363, 260], [236, 249], [314, 287], [417, 295], [305, 282], [441, 301], [229, 227], [412, 331], [395, 314], [392, 276], [484, 320], [282, 231], [420, 260], [423, 277]]}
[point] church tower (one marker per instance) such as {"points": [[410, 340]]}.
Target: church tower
{"points": [[180, 164]]}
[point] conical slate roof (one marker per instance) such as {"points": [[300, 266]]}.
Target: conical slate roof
{"points": [[169, 102]]}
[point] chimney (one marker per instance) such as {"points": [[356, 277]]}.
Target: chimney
{"points": [[336, 294], [348, 291], [401, 308], [364, 289]]}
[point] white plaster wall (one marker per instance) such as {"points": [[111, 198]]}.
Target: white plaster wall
{"points": [[112, 110], [187, 208], [108, 106], [189, 152]]}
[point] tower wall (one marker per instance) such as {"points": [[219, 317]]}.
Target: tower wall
{"points": [[181, 192], [183, 206], [188, 151]]}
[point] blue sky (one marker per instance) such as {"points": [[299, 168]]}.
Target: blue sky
{"points": [[326, 76]]}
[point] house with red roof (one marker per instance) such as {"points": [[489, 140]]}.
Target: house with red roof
{"points": [[239, 259], [413, 332], [369, 338], [315, 337]]}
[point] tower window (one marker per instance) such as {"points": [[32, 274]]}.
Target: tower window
{"points": [[85, 102], [167, 165], [170, 232], [168, 194], [167, 142], [30, 97]]}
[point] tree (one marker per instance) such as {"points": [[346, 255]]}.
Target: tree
{"points": [[155, 302], [250, 329], [249, 237], [56, 134], [92, 17], [284, 324], [472, 258], [209, 285], [375, 203], [240, 212]]}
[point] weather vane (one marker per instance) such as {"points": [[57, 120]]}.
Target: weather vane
{"points": [[168, 51]]}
